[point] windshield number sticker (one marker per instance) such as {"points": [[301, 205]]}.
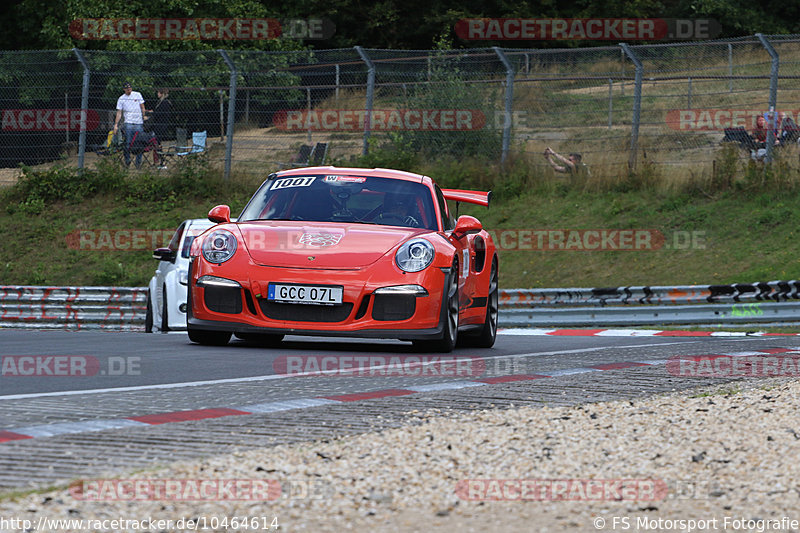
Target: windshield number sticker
{"points": [[286, 183]]}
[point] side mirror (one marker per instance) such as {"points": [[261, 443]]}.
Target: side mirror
{"points": [[467, 225], [165, 254], [220, 214]]}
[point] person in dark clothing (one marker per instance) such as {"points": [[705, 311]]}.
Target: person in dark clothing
{"points": [[790, 131], [160, 116]]}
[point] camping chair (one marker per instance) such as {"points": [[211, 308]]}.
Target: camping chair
{"points": [[180, 136], [301, 159], [309, 156], [318, 155], [112, 145], [198, 145], [146, 144], [740, 136]]}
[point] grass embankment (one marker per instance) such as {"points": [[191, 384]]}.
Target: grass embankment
{"points": [[739, 230]]}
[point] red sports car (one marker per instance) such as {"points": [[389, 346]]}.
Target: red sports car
{"points": [[348, 252]]}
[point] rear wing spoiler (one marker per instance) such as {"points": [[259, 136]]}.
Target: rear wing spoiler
{"points": [[471, 197]]}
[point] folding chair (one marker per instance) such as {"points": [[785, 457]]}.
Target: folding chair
{"points": [[112, 145], [146, 144], [740, 136], [302, 157], [198, 145], [318, 155], [180, 136]]}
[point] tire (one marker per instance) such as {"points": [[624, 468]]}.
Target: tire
{"points": [[209, 337], [486, 337], [148, 317], [164, 314], [450, 306], [261, 339]]}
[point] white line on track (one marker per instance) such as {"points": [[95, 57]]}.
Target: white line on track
{"points": [[272, 377]]}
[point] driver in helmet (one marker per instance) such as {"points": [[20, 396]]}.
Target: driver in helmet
{"points": [[397, 211]]}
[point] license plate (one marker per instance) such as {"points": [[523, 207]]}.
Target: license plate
{"points": [[305, 294]]}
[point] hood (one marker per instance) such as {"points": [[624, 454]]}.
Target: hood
{"points": [[331, 245]]}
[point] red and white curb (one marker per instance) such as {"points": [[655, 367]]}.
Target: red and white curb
{"points": [[85, 426], [637, 333]]}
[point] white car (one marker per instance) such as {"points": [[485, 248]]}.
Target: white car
{"points": [[166, 293]]}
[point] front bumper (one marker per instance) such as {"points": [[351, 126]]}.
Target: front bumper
{"points": [[363, 312]]}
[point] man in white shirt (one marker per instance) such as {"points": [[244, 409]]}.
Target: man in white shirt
{"points": [[131, 106]]}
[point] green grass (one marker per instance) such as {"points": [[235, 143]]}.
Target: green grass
{"points": [[36, 249], [745, 229], [739, 238]]}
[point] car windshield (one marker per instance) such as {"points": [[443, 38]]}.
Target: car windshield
{"points": [[344, 198]]}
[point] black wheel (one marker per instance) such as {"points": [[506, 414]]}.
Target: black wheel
{"points": [[450, 318], [488, 333], [260, 339], [164, 314], [148, 316], [209, 337]]}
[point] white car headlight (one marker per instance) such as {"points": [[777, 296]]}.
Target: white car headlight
{"points": [[219, 246], [414, 255]]}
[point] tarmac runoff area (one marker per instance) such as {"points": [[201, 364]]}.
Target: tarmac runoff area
{"points": [[720, 459]]}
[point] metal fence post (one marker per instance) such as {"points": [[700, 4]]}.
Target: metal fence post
{"points": [[84, 107], [508, 102], [337, 83], [730, 68], [637, 104], [370, 96], [231, 113], [773, 94], [308, 110]]}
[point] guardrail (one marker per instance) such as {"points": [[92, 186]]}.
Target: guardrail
{"points": [[109, 308], [124, 308], [765, 302]]}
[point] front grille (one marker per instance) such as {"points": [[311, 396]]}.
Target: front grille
{"points": [[394, 306], [305, 312], [223, 299]]}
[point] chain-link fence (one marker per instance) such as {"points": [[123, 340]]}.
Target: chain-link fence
{"points": [[664, 105]]}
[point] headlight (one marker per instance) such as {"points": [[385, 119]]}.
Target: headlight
{"points": [[414, 255], [219, 246]]}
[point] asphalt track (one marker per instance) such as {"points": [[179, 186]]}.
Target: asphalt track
{"points": [[84, 403]]}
